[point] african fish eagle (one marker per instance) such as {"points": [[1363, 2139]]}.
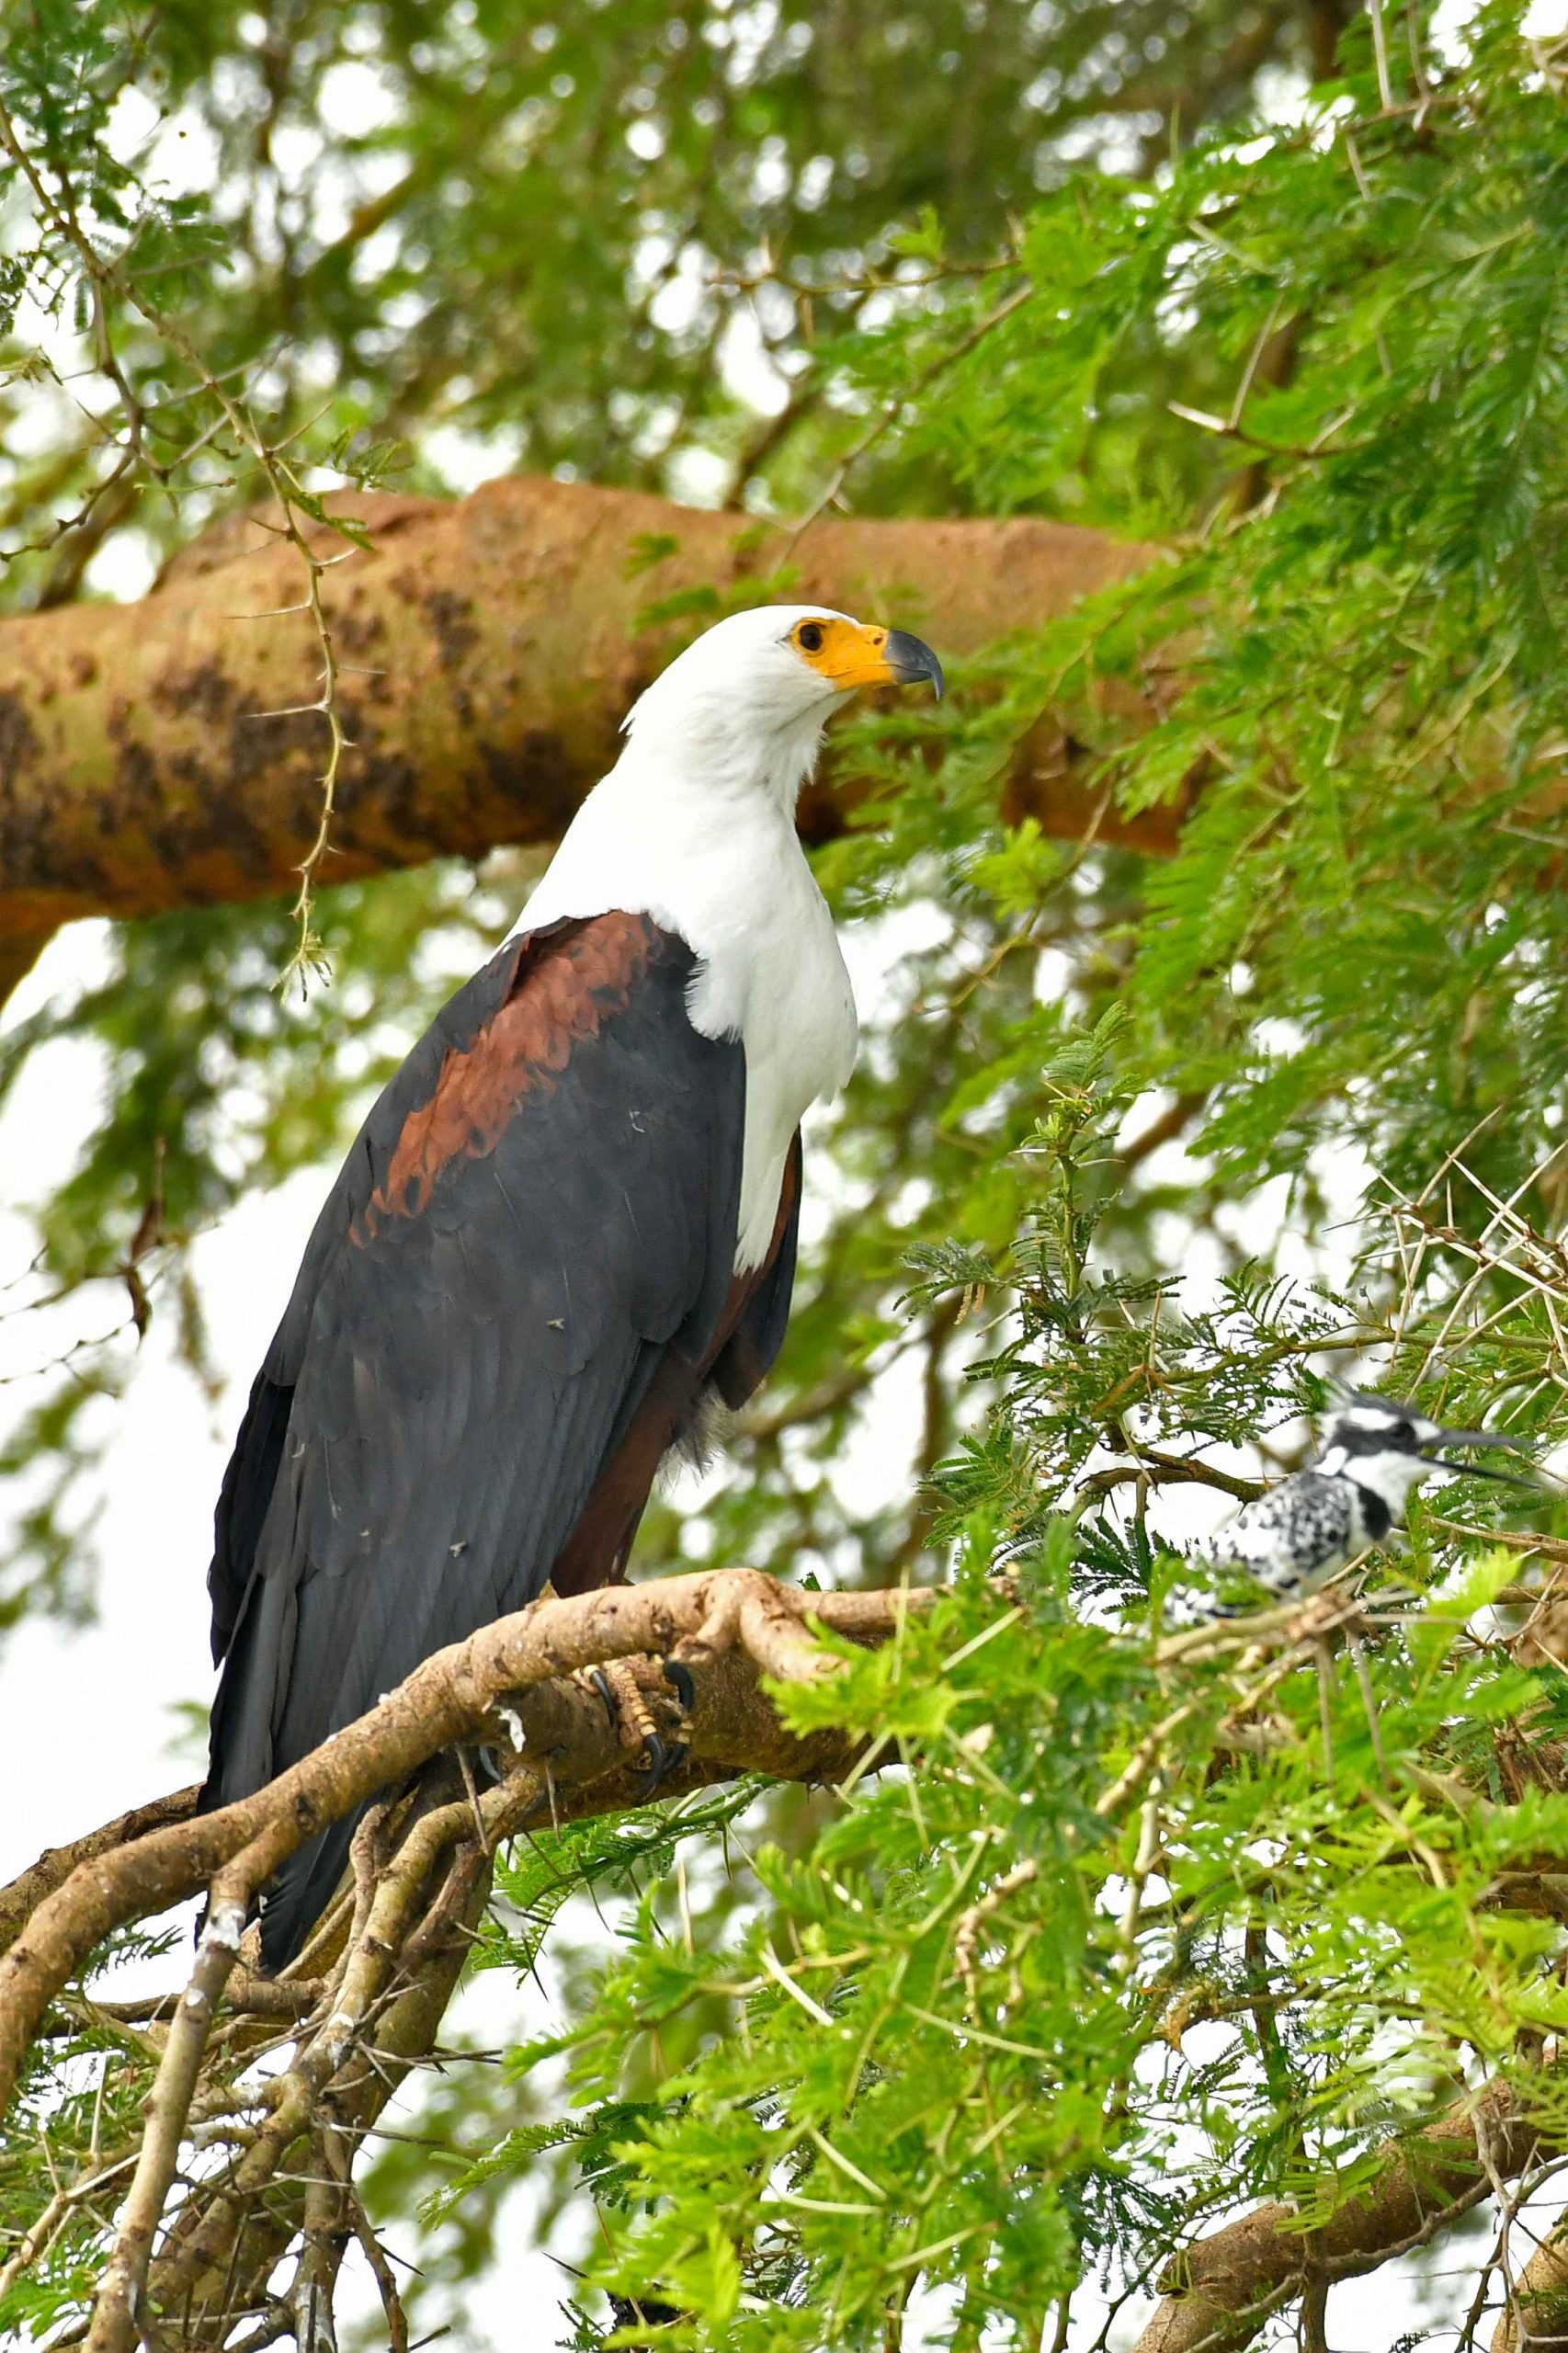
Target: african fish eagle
{"points": [[569, 1220]]}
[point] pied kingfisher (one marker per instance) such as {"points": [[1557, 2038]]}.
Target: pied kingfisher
{"points": [[1305, 1529]]}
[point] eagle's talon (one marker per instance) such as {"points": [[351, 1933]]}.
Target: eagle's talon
{"points": [[678, 1678], [632, 1719], [663, 1757]]}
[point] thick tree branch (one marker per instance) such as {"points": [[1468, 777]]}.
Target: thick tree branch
{"points": [[365, 2001], [490, 649], [1219, 2293], [1536, 2313], [115, 2317], [702, 1620], [55, 1865], [197, 2247]]}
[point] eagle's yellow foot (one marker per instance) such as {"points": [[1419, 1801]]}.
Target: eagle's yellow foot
{"points": [[626, 1704]]}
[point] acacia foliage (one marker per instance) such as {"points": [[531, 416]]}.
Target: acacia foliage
{"points": [[544, 222], [1238, 1927], [1287, 1940], [414, 244]]}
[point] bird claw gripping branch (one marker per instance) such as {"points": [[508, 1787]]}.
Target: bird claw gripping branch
{"points": [[626, 1703]]}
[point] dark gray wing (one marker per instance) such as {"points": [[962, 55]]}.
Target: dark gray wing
{"points": [[540, 1207]]}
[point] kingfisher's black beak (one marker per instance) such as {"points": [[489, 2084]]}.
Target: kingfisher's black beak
{"points": [[1477, 1470], [910, 659]]}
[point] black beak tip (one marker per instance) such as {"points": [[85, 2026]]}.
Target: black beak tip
{"points": [[1481, 1471], [911, 659]]}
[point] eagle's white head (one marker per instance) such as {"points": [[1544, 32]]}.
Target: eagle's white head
{"points": [[749, 699], [694, 825]]}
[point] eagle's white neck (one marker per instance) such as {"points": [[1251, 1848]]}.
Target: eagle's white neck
{"points": [[693, 827], [730, 753]]}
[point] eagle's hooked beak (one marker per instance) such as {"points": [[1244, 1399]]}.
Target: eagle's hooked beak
{"points": [[909, 659]]}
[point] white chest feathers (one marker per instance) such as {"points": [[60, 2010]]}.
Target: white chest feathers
{"points": [[726, 873]]}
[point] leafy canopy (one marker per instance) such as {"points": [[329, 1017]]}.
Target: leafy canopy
{"points": [[1141, 1925], [1149, 1927]]}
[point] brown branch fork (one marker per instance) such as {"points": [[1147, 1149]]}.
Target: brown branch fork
{"points": [[202, 2234], [511, 1686]]}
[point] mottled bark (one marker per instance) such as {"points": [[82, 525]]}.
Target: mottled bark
{"points": [[490, 649], [1218, 2293]]}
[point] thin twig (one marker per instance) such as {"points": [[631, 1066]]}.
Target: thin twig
{"points": [[1381, 55], [106, 277], [117, 2312], [889, 415]]}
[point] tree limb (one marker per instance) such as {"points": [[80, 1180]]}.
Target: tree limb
{"points": [[55, 1865], [1219, 2293], [117, 2313], [454, 1695], [490, 649], [381, 1968]]}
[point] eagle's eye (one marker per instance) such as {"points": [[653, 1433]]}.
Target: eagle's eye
{"points": [[809, 637]]}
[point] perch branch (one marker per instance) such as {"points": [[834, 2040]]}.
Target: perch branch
{"points": [[513, 1687], [1218, 2293]]}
